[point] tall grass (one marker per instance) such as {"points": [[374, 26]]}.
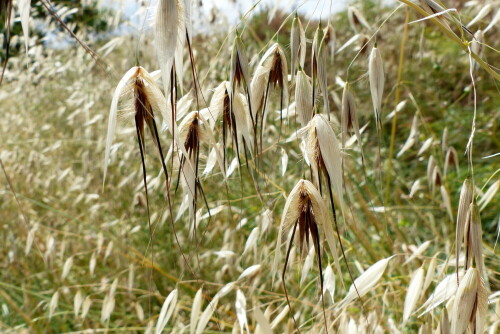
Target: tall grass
{"points": [[371, 132]]}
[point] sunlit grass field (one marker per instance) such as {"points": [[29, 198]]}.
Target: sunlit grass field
{"points": [[82, 255]]}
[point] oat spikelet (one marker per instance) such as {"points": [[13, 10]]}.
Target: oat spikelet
{"points": [[306, 210], [444, 141], [113, 115], [142, 101], [466, 195], [470, 304], [349, 119], [477, 46], [318, 61], [493, 22], [303, 201], [193, 131], [54, 301], [181, 42], [474, 239], [432, 7], [489, 195], [413, 294], [443, 292], [166, 311], [240, 74], [376, 75], [237, 124], [196, 310], [323, 152], [451, 158], [303, 98], [446, 201], [485, 10], [77, 302], [330, 40], [24, 11], [166, 30], [412, 137], [297, 45], [356, 18], [241, 311], [429, 276], [272, 70], [206, 315], [365, 282]]}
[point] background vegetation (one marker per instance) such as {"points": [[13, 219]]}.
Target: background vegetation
{"points": [[76, 256]]}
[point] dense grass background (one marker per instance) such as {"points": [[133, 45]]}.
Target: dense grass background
{"points": [[55, 104]]}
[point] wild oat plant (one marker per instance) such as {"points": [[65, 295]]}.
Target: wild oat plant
{"points": [[289, 172]]}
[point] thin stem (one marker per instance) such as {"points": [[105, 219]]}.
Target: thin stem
{"points": [[396, 102]]}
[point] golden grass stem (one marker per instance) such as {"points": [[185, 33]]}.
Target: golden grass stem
{"points": [[396, 102]]}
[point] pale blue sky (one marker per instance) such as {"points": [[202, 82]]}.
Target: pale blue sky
{"points": [[229, 11]]}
